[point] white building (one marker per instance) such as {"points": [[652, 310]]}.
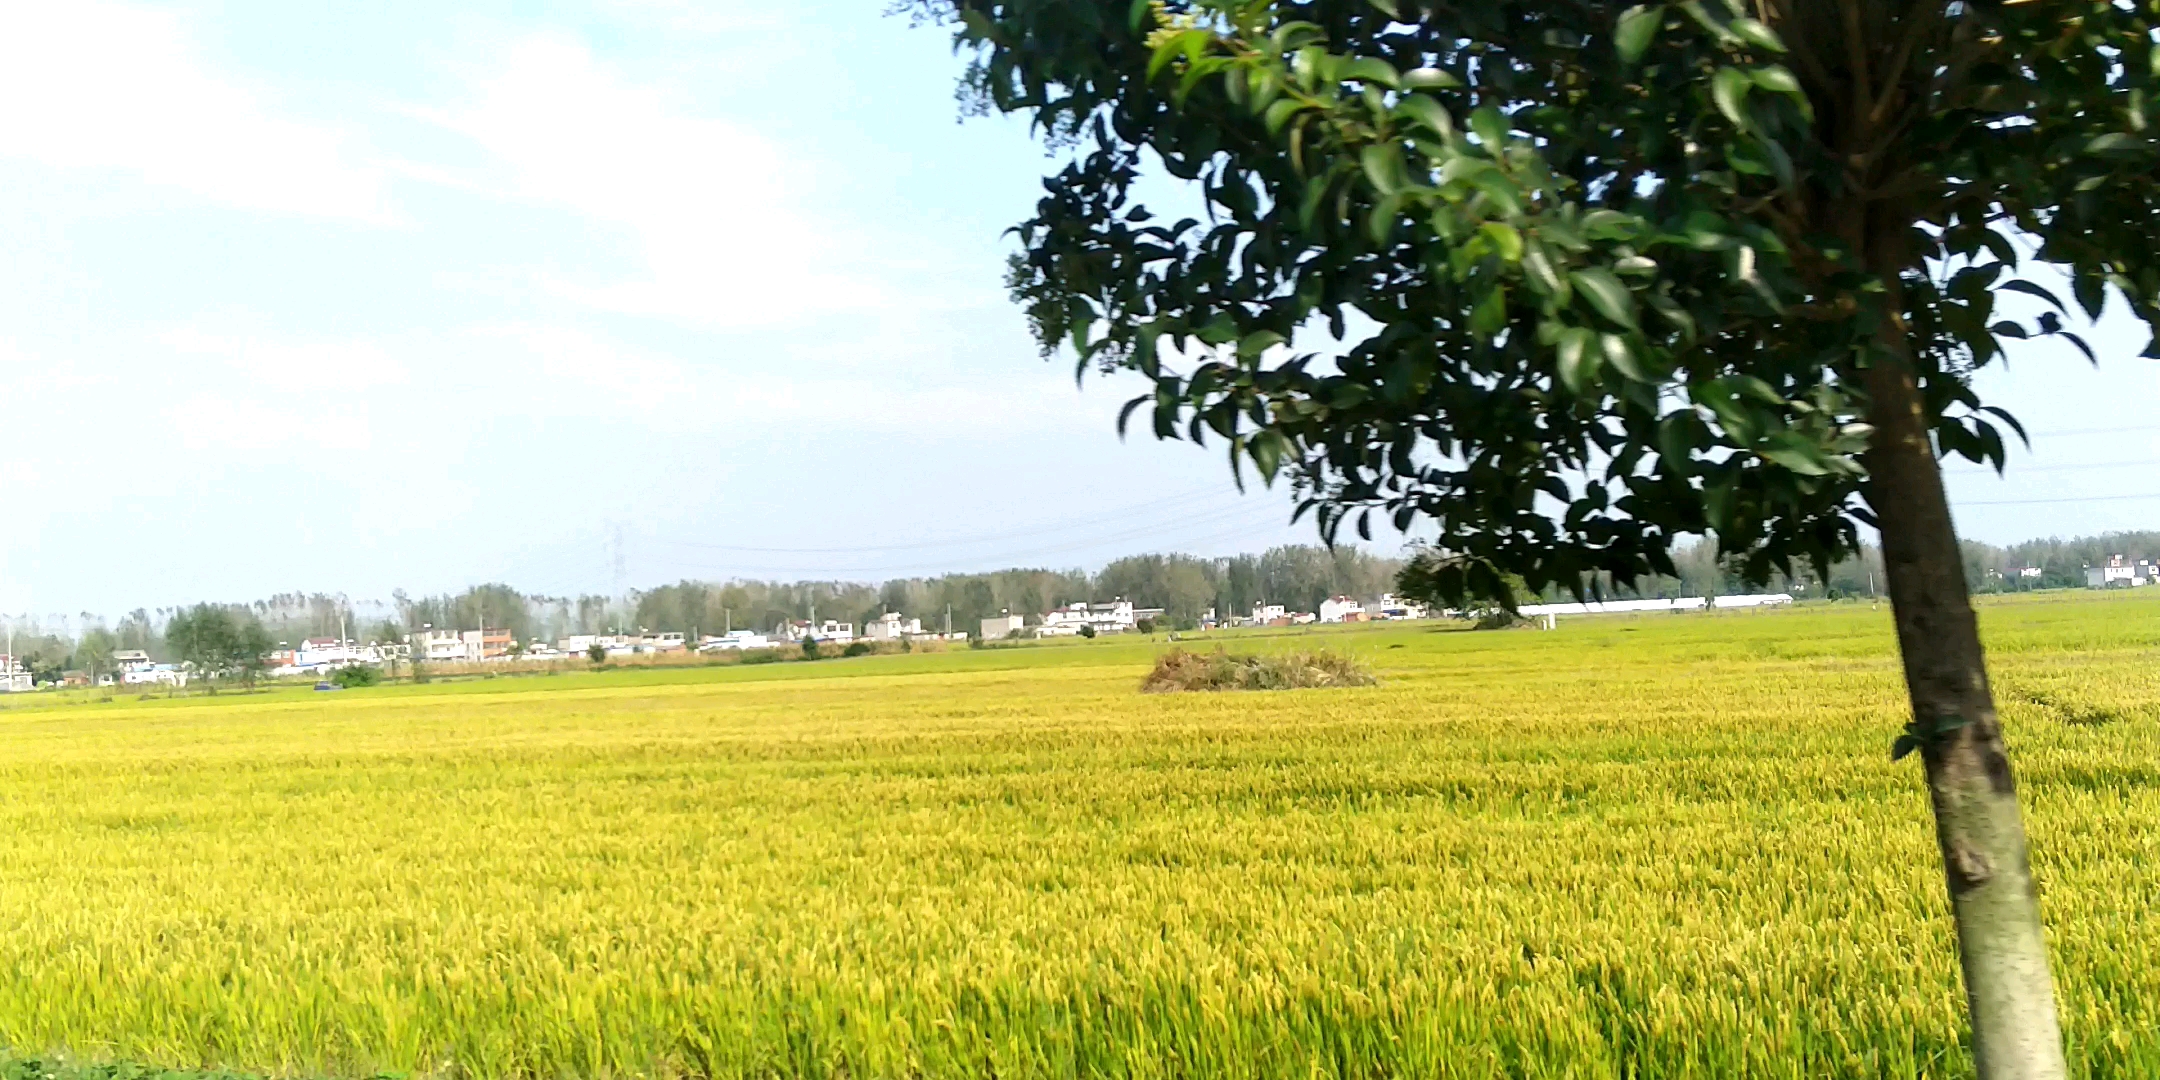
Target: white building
{"points": [[330, 652], [1115, 617], [1267, 614], [15, 676], [150, 674], [829, 632], [734, 641], [444, 646], [1341, 609], [610, 644], [1395, 607], [666, 641], [1002, 626], [2119, 572], [1753, 600], [891, 627]]}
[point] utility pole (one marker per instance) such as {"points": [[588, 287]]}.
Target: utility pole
{"points": [[727, 616], [948, 622]]}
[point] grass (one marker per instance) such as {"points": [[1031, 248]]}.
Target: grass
{"points": [[1665, 846], [1183, 671]]}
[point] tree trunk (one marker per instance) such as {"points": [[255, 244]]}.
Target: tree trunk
{"points": [[2008, 987]]}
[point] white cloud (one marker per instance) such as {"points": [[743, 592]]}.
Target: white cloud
{"points": [[255, 359], [710, 205], [90, 85]]}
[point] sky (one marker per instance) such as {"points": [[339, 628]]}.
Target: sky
{"points": [[312, 296]]}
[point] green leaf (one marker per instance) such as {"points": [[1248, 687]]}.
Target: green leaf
{"points": [[1578, 362], [1610, 225], [1424, 110], [1756, 34], [1489, 317], [1292, 36], [1429, 78], [1266, 448], [1257, 342], [1491, 128], [1728, 89], [1775, 79], [1635, 29], [1372, 70], [1795, 452], [1538, 268], [1388, 8], [1383, 166], [1505, 197], [1606, 294], [1506, 241], [1622, 357], [2030, 289], [1279, 114], [979, 26], [2116, 144], [1380, 222]]}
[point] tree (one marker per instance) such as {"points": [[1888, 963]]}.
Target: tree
{"points": [[94, 652], [1607, 276], [251, 645], [220, 641], [596, 652], [201, 636]]}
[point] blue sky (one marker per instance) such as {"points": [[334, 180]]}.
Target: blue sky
{"points": [[339, 297]]}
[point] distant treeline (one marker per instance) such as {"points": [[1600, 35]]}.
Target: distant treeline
{"points": [[1184, 586]]}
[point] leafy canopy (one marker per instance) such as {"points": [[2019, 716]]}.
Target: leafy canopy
{"points": [[1599, 275]]}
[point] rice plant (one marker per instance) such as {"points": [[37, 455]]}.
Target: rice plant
{"points": [[1673, 846]]}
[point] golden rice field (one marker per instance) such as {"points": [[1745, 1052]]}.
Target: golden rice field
{"points": [[1672, 846]]}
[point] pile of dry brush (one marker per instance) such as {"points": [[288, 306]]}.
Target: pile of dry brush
{"points": [[1180, 670]]}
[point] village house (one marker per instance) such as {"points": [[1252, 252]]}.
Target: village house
{"points": [[2120, 573], [829, 632], [1115, 617], [1337, 609], [892, 627], [734, 641]]}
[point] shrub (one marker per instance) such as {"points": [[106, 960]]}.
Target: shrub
{"points": [[1086, 630], [809, 648], [761, 656], [1179, 670], [596, 653], [857, 648], [1145, 626], [353, 675]]}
